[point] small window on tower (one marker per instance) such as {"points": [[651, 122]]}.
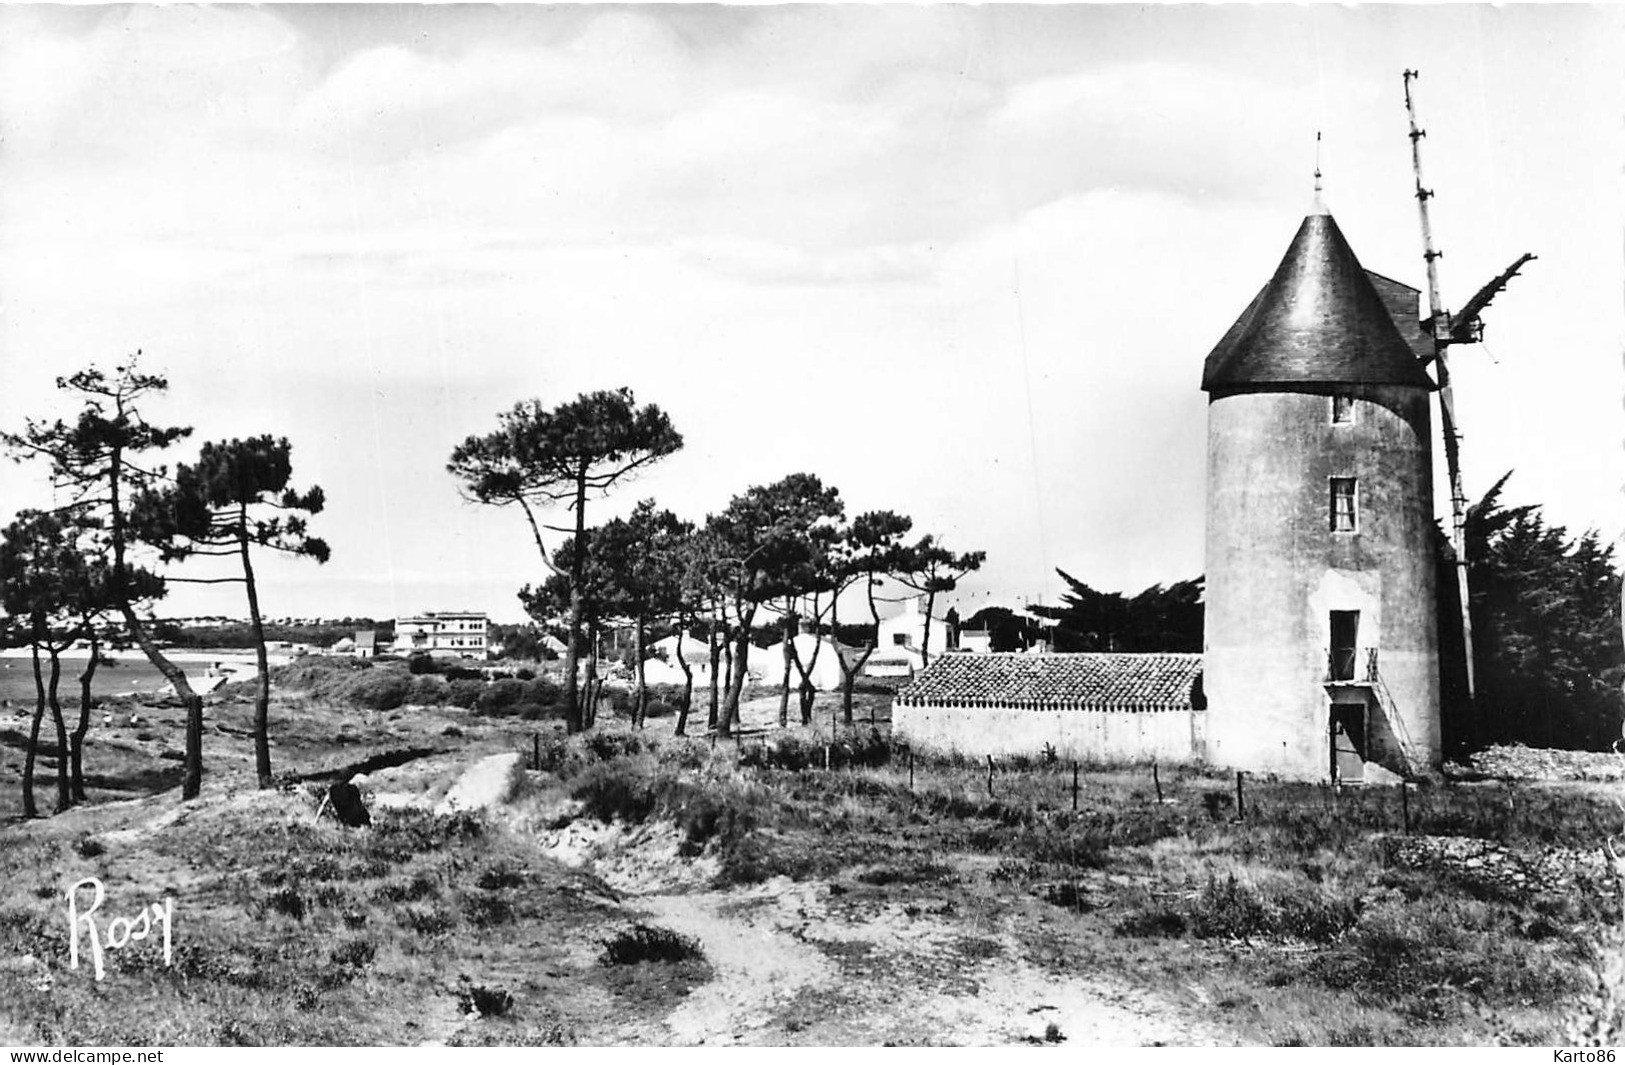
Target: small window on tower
{"points": [[1342, 409], [1344, 516]]}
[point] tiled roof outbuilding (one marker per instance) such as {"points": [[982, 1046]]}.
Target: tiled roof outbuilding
{"points": [[1135, 682]]}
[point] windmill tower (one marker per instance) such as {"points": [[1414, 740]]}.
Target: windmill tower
{"points": [[1321, 649]]}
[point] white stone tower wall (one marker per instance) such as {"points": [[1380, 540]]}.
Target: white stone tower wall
{"points": [[1275, 570]]}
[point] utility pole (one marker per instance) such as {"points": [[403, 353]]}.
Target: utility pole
{"points": [[1439, 326], [1464, 328]]}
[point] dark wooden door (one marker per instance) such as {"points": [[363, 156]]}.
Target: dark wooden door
{"points": [[1348, 743]]}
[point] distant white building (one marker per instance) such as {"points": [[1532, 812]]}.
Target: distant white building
{"points": [[442, 632], [976, 641], [901, 645]]}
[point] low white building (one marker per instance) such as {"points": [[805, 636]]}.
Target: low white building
{"points": [[976, 641], [1110, 707], [442, 632]]}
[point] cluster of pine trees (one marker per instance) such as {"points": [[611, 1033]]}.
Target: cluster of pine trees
{"points": [[1548, 649]]}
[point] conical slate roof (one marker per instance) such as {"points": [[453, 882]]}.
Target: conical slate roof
{"points": [[1319, 320]]}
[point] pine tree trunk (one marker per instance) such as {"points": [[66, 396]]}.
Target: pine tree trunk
{"points": [[64, 789], [736, 687], [789, 654], [262, 694], [192, 780], [640, 696], [713, 648], [29, 808], [77, 769], [688, 684]]}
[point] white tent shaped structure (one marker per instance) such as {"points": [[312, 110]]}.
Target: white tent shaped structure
{"points": [[825, 673]]}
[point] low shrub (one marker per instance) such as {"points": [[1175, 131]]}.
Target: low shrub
{"points": [[464, 692], [1234, 909], [426, 920], [379, 689], [421, 663], [500, 697], [427, 690], [649, 943], [419, 887], [353, 954], [485, 909], [482, 1001], [288, 902], [500, 876], [609, 745]]}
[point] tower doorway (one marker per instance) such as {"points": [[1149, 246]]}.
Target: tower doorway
{"points": [[1348, 743], [1345, 641]]}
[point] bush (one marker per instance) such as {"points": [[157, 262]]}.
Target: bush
{"points": [[464, 693], [353, 954], [486, 909], [500, 697], [288, 902], [427, 690], [611, 793], [647, 943], [483, 1001], [540, 690], [421, 663], [606, 746], [379, 689]]}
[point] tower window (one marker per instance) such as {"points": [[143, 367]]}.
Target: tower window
{"points": [[1342, 409], [1344, 516]]}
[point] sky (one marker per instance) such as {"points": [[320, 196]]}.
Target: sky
{"points": [[962, 262]]}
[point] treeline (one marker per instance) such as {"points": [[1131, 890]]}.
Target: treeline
{"points": [[89, 569], [1161, 618], [1547, 643], [242, 634], [785, 551]]}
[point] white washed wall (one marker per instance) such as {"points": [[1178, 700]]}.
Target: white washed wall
{"points": [[1106, 735]]}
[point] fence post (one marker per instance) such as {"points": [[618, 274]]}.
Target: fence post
{"points": [[826, 757], [1241, 803], [536, 751], [911, 770], [1405, 803], [1074, 787], [1156, 780], [990, 776]]}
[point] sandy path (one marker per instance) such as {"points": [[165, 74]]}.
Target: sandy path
{"points": [[758, 968], [775, 947]]}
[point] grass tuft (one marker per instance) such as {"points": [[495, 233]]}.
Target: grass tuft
{"points": [[648, 943]]}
